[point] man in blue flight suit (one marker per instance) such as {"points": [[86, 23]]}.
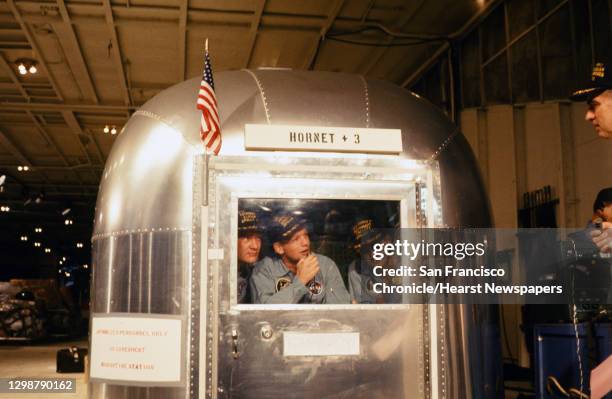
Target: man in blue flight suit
{"points": [[295, 274]]}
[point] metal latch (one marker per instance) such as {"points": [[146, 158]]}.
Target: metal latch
{"points": [[235, 353]]}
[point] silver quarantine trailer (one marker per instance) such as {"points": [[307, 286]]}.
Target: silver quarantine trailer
{"points": [[166, 322]]}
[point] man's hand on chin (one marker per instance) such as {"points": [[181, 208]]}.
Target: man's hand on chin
{"points": [[603, 237]]}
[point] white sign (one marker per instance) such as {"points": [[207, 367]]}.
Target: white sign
{"points": [[136, 349], [322, 138], [320, 344]]}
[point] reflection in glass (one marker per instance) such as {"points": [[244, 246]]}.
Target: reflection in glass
{"points": [[309, 251]]}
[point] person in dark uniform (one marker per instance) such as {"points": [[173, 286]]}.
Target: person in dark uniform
{"points": [[360, 274], [295, 274], [598, 95], [361, 270], [249, 246]]}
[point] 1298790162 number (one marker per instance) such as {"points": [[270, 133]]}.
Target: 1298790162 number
{"points": [[32, 385]]}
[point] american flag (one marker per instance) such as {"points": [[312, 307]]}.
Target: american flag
{"points": [[210, 132]]}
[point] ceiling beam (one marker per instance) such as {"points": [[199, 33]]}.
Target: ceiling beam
{"points": [[425, 65], [51, 141], [39, 54], [200, 17], [77, 63], [329, 22], [379, 52], [182, 58], [259, 7], [466, 28], [75, 127], [116, 109], [13, 149], [14, 45], [9, 145], [43, 132], [110, 21]]}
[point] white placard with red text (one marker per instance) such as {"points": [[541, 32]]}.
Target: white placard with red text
{"points": [[136, 348]]}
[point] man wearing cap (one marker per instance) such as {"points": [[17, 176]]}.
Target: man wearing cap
{"points": [[598, 95], [295, 274], [360, 271], [249, 245]]}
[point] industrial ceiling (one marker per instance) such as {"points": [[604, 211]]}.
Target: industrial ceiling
{"points": [[99, 60]]}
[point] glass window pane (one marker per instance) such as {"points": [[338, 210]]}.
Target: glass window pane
{"points": [[493, 33], [496, 81], [545, 6], [525, 87], [276, 235], [601, 29], [470, 71], [433, 82], [557, 70], [583, 42], [521, 15]]}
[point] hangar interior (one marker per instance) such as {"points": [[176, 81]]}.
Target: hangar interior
{"points": [[501, 70]]}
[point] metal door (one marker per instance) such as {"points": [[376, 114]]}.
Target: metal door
{"points": [[245, 353]]}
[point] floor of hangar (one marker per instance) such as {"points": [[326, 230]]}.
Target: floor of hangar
{"points": [[38, 360]]}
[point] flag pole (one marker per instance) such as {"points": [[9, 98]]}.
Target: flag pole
{"points": [[206, 154]]}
